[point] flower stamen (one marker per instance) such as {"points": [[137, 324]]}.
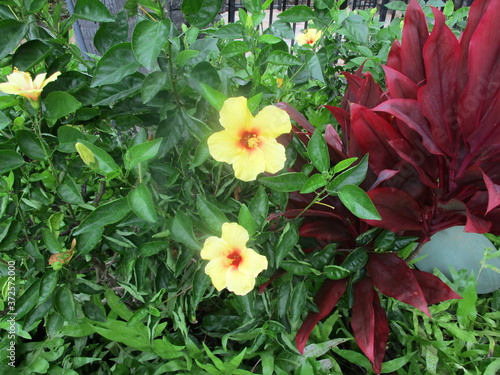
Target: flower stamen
{"points": [[234, 259], [249, 140]]}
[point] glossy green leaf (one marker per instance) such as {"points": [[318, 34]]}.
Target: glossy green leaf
{"points": [[214, 97], [28, 299], [298, 13], [12, 33], [30, 145], [211, 215], [351, 176], [283, 58], [106, 164], [152, 85], [111, 33], [30, 53], [87, 241], [60, 104], [358, 202], [335, 272], [343, 165], [51, 241], [318, 152], [285, 182], [298, 302], [200, 13], [9, 160], [314, 182], [106, 214], [148, 39], [234, 48], [65, 304], [141, 202], [47, 286], [288, 239], [92, 10], [70, 192], [181, 230], [110, 94], [355, 260], [246, 220], [141, 153], [397, 5], [151, 248], [108, 71], [259, 207], [33, 6]]}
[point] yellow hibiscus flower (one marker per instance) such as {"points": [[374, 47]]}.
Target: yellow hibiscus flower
{"points": [[249, 143], [20, 83], [310, 37], [231, 264]]}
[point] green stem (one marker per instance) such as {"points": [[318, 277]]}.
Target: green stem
{"points": [[38, 132]]}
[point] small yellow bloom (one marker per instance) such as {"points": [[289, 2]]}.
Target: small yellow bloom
{"points": [[231, 264], [249, 143], [310, 37], [279, 82], [85, 153], [20, 83]]}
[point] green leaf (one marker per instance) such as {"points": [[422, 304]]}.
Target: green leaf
{"points": [[229, 31], [314, 182], [183, 57], [152, 85], [235, 48], [352, 176], [358, 202], [87, 241], [343, 165], [288, 239], [51, 241], [286, 182], [141, 202], [108, 213], [181, 230], [151, 248], [9, 160], [148, 39], [318, 152], [355, 260], [200, 13], [65, 304], [12, 33], [269, 39], [246, 220], [109, 71], [111, 33], [106, 164], [259, 207], [298, 13], [30, 145], [92, 10], [214, 97], [28, 300], [356, 27], [33, 6], [70, 192], [47, 286], [283, 58], [141, 153], [109, 94], [298, 302], [211, 215], [397, 5], [30, 53], [60, 104], [335, 272]]}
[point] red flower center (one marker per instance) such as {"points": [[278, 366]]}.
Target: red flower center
{"points": [[235, 258], [249, 140]]}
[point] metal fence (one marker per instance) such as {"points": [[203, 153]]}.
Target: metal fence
{"points": [[232, 6]]}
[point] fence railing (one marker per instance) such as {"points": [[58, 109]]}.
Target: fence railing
{"points": [[385, 13]]}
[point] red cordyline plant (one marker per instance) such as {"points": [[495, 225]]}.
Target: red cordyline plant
{"points": [[433, 140]]}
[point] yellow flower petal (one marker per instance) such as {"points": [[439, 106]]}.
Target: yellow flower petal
{"points": [[217, 270], [238, 283], [249, 164], [38, 82], [52, 78], [252, 263], [224, 147], [272, 122], [9, 88], [235, 116], [214, 247], [235, 236], [274, 155]]}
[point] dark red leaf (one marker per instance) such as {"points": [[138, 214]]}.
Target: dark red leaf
{"points": [[493, 193], [275, 275], [393, 277], [439, 97], [369, 323], [326, 299], [415, 34], [434, 289], [394, 58], [409, 112], [363, 317], [331, 231], [399, 85], [296, 116], [372, 133], [399, 211]]}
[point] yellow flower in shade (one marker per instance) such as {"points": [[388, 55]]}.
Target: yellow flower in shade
{"points": [[231, 264], [20, 83], [310, 37], [248, 142]]}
